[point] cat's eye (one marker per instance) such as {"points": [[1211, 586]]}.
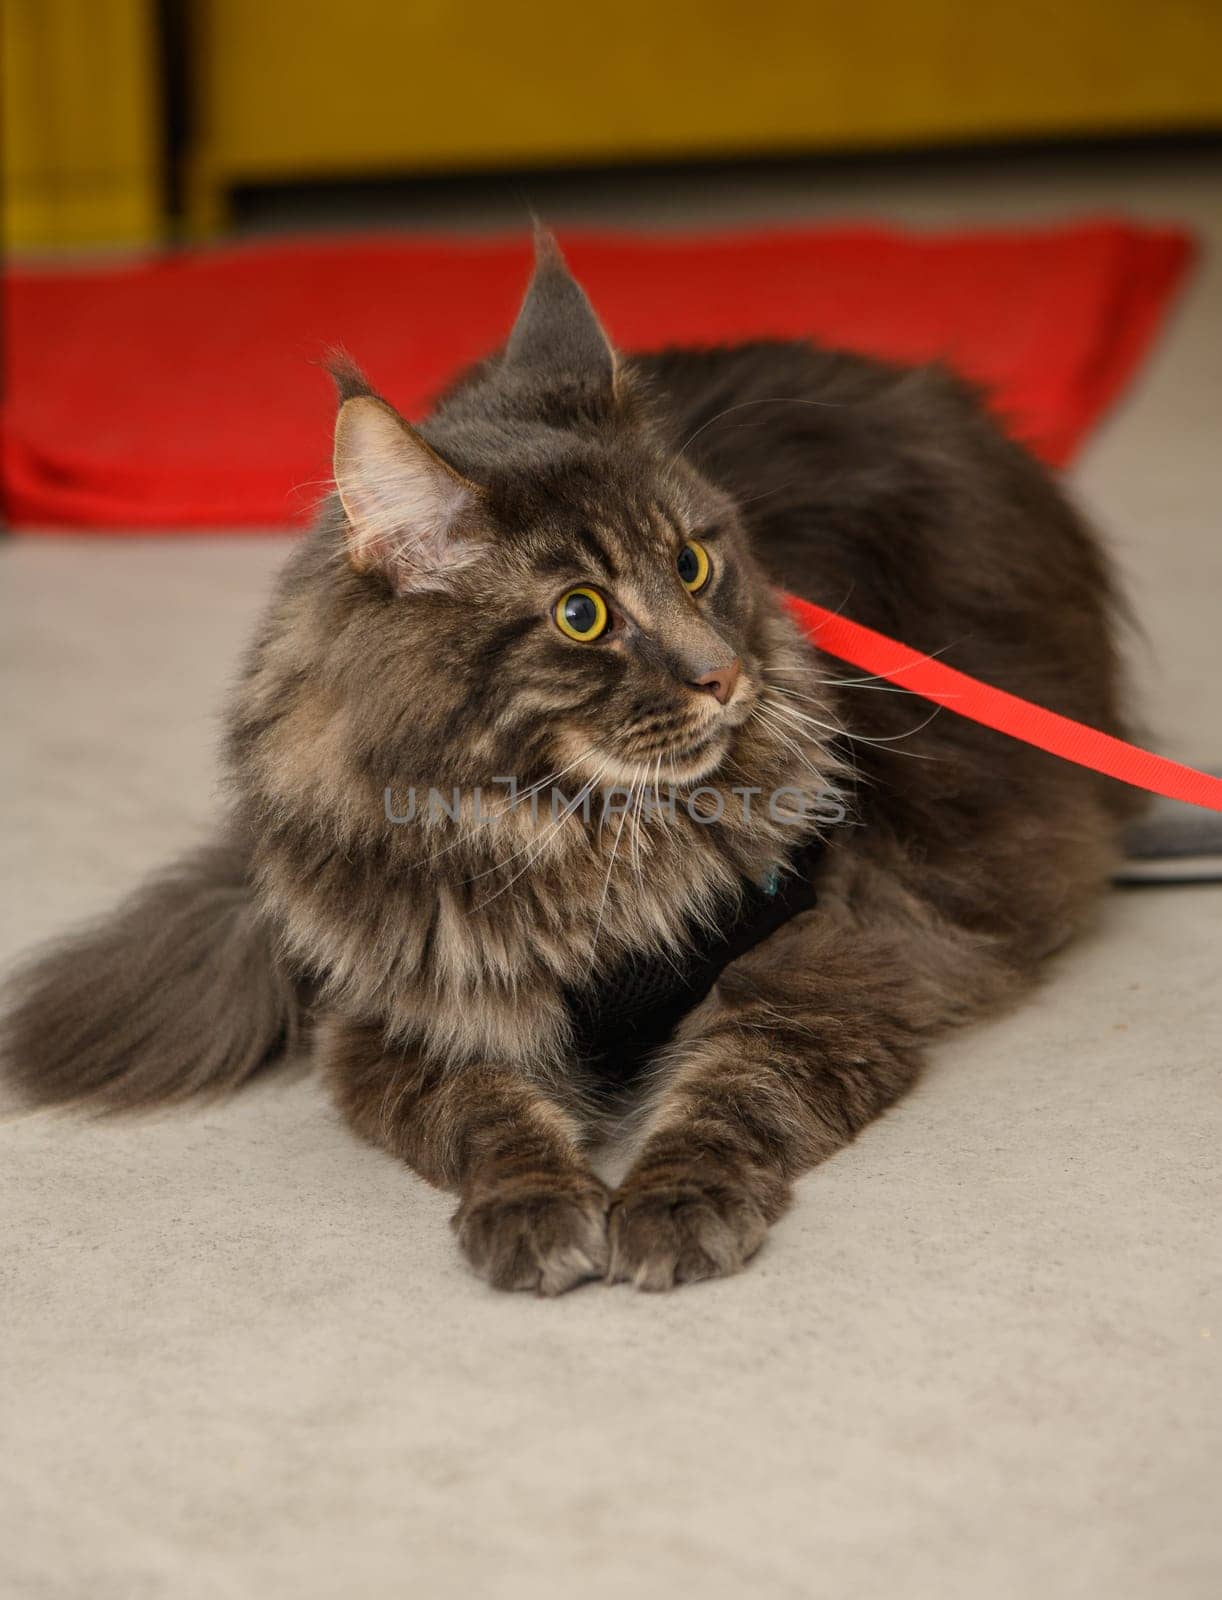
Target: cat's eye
{"points": [[694, 566], [581, 614]]}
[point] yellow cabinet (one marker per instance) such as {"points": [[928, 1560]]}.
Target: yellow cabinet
{"points": [[81, 129], [310, 88], [279, 90]]}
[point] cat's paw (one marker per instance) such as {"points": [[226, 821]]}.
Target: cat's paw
{"points": [[541, 1231], [680, 1227]]}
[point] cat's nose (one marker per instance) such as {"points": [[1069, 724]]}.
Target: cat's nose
{"points": [[721, 681]]}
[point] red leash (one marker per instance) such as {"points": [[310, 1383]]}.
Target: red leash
{"points": [[1021, 719]]}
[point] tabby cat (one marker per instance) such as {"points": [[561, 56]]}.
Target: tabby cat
{"points": [[565, 583]]}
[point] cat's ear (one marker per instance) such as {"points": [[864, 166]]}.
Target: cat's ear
{"points": [[557, 335], [409, 514]]}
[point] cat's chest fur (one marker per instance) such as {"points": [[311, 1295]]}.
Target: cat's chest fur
{"points": [[464, 939]]}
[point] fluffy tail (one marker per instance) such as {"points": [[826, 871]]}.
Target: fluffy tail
{"points": [[176, 993]]}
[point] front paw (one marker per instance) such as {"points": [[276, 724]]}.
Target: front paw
{"points": [[681, 1225], [543, 1231]]}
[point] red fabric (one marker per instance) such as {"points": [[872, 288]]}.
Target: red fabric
{"points": [[1007, 713], [178, 393]]}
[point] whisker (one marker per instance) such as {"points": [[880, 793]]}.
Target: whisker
{"points": [[602, 904], [767, 400], [789, 742], [542, 843], [841, 683], [861, 738], [511, 802], [930, 655]]}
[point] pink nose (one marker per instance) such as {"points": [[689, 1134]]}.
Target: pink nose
{"points": [[721, 682]]}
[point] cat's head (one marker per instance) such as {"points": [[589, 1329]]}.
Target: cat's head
{"points": [[553, 584]]}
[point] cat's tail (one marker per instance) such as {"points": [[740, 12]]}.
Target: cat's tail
{"points": [[177, 992]]}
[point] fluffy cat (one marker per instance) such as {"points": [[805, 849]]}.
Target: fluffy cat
{"points": [[568, 576]]}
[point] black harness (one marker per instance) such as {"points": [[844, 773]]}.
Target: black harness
{"points": [[624, 1014]]}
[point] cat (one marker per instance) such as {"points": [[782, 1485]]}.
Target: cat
{"points": [[567, 582]]}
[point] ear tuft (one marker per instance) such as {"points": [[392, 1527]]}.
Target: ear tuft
{"points": [[410, 515], [347, 377], [557, 336]]}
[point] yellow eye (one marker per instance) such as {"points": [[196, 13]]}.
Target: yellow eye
{"points": [[581, 614], [694, 566]]}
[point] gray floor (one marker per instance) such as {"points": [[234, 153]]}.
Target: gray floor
{"points": [[980, 1357]]}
